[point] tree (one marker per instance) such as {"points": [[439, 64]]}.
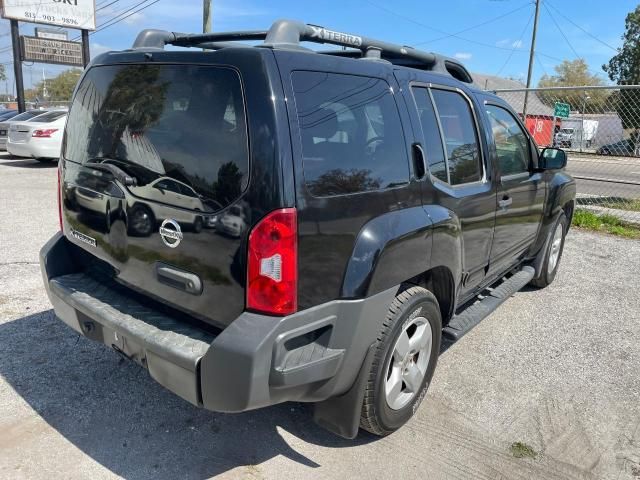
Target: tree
{"points": [[624, 69], [3, 75], [339, 182], [573, 73], [59, 88]]}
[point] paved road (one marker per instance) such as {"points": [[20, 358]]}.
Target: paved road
{"points": [[556, 369], [606, 176]]}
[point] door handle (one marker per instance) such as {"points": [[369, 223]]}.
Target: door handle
{"points": [[505, 202]]}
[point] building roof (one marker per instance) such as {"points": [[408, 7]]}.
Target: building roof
{"points": [[515, 99]]}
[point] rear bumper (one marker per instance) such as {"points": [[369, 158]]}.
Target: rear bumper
{"points": [[256, 361], [18, 149]]}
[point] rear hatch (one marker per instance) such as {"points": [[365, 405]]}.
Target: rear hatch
{"points": [[153, 154]]}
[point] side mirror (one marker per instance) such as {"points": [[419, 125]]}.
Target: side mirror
{"points": [[552, 159]]}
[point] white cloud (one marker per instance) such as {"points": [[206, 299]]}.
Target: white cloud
{"points": [[463, 55], [97, 48], [508, 43], [134, 18]]}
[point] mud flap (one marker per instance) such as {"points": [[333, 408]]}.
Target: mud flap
{"points": [[341, 415]]}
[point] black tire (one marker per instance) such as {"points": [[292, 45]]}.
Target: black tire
{"points": [[197, 224], [107, 218], [548, 274], [140, 221], [411, 305]]}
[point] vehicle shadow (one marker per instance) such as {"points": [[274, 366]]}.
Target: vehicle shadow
{"points": [[26, 163], [114, 412]]}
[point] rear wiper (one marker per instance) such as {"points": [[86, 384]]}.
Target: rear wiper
{"points": [[120, 175]]}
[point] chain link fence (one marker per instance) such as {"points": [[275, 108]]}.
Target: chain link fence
{"points": [[599, 128], [33, 104]]}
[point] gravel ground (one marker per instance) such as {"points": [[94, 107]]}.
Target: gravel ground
{"points": [[555, 369]]}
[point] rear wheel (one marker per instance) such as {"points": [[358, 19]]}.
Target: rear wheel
{"points": [[197, 225], [552, 253], [140, 221], [404, 361]]}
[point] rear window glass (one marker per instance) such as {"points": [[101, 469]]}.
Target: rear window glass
{"points": [[48, 117], [27, 115], [180, 122], [352, 139]]}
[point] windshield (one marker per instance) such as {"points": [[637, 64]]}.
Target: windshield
{"points": [[185, 123]]}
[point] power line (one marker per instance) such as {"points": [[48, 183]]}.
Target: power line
{"points": [[516, 45], [540, 64], [423, 25], [560, 30], [585, 31], [486, 22], [119, 17], [107, 5]]}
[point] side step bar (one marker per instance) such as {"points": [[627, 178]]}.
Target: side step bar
{"points": [[475, 313]]}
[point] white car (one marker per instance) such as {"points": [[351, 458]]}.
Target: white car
{"points": [[232, 222], [21, 117], [170, 198], [39, 138]]}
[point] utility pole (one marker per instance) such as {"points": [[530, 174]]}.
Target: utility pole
{"points": [[17, 64], [206, 16], [531, 58]]}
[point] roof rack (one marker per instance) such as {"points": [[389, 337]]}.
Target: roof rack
{"points": [[287, 34]]}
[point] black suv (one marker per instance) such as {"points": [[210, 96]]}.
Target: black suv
{"points": [[269, 223]]}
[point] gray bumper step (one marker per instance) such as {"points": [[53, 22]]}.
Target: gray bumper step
{"points": [[474, 314], [179, 342]]}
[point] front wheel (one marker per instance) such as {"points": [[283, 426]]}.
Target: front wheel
{"points": [[552, 253], [404, 361]]}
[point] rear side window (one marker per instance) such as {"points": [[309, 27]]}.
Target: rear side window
{"points": [[459, 132], [433, 141], [352, 139], [180, 122]]}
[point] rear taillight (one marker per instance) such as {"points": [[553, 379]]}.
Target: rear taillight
{"points": [[60, 201], [45, 133], [272, 273]]}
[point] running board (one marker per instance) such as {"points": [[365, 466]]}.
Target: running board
{"points": [[475, 313]]}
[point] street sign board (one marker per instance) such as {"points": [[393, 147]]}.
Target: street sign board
{"points": [[65, 13], [561, 110], [44, 50], [51, 33]]}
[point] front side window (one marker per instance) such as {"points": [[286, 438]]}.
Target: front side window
{"points": [[459, 133], [512, 145], [352, 139]]}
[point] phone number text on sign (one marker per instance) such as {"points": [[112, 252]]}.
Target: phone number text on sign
{"points": [[65, 13]]}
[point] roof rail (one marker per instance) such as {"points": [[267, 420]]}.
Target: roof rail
{"points": [[287, 34]]}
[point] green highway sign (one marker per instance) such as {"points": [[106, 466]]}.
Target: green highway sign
{"points": [[561, 110]]}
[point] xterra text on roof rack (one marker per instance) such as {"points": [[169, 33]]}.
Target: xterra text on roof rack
{"points": [[261, 224]]}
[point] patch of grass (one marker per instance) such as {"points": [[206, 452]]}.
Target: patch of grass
{"points": [[605, 223], [522, 450]]}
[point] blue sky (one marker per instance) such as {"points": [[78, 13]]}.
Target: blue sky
{"points": [[497, 46]]}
